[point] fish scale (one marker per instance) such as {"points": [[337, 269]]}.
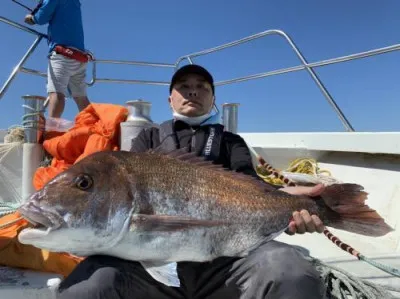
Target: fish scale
{"points": [[160, 208]]}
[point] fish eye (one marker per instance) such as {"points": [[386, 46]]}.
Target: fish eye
{"points": [[84, 182]]}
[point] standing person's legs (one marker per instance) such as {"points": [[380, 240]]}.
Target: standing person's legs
{"points": [[58, 75], [65, 74], [274, 270], [56, 104], [77, 86], [82, 102]]}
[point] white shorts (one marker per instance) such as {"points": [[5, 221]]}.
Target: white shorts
{"points": [[66, 74]]}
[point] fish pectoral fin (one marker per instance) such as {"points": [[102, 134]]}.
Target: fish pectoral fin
{"points": [[164, 273], [144, 222]]}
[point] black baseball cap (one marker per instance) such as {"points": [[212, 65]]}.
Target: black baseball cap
{"points": [[192, 69]]}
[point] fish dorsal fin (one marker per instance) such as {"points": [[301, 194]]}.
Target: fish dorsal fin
{"points": [[164, 151], [192, 158], [183, 154]]}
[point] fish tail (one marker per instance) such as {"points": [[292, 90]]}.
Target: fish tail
{"points": [[350, 213]]}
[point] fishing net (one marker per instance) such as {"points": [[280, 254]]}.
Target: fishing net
{"points": [[11, 170], [11, 152], [343, 285]]}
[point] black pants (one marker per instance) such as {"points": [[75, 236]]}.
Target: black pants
{"points": [[274, 270]]}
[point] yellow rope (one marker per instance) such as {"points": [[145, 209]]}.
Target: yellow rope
{"points": [[267, 176], [299, 165]]}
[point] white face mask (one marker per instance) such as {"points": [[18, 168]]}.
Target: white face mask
{"points": [[205, 119]]}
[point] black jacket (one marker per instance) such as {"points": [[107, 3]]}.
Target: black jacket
{"points": [[234, 153]]}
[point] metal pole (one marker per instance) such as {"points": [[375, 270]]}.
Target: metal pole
{"points": [[138, 110], [319, 83], [230, 116], [138, 63], [32, 147], [301, 67], [309, 69], [19, 65], [94, 74], [128, 81], [23, 5], [33, 110], [33, 72], [137, 120], [22, 27]]}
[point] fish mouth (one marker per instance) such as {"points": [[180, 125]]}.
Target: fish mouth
{"points": [[40, 218]]}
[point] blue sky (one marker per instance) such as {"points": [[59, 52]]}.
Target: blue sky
{"points": [[367, 90]]}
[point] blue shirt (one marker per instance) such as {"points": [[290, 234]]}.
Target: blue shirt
{"points": [[65, 23]]}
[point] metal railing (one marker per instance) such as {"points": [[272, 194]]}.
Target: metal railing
{"points": [[303, 66], [130, 81]]}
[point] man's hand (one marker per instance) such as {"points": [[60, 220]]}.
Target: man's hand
{"points": [[29, 20], [303, 221]]}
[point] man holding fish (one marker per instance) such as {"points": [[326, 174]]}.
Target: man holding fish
{"points": [[173, 223]]}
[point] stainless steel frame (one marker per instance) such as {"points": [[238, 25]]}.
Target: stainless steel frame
{"points": [[303, 66]]}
